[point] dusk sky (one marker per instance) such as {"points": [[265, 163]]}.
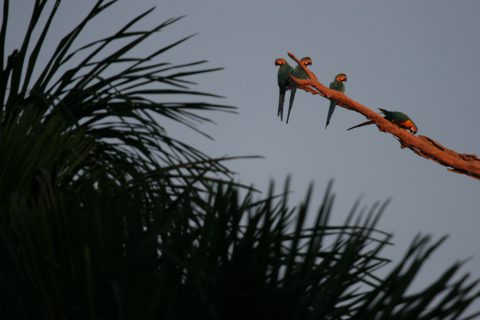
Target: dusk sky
{"points": [[418, 57]]}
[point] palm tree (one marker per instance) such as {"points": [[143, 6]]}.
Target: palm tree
{"points": [[105, 215]]}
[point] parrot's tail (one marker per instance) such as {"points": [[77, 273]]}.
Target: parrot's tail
{"points": [[281, 101], [330, 112], [361, 125], [290, 105]]}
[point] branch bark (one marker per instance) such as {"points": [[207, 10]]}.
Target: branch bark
{"points": [[468, 164]]}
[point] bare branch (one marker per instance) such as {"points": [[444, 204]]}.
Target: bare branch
{"points": [[468, 164]]}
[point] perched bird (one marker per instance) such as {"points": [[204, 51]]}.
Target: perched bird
{"points": [[301, 74], [283, 76], [337, 84], [396, 117]]}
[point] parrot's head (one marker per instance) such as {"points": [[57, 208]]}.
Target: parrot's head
{"points": [[280, 62], [306, 61], [341, 77], [413, 128], [410, 126]]}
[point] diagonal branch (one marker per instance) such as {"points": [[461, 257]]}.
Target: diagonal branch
{"points": [[468, 164]]}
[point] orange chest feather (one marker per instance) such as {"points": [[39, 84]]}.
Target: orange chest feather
{"points": [[405, 124]]}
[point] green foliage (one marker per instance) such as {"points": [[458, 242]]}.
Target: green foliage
{"points": [[104, 215], [112, 98], [100, 254]]}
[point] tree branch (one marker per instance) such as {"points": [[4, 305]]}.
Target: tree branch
{"points": [[468, 164]]}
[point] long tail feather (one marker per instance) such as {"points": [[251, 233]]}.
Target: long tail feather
{"points": [[361, 125], [281, 101], [292, 97], [330, 112]]}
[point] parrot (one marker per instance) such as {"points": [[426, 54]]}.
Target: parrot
{"points": [[283, 75], [298, 72], [338, 85], [396, 117]]}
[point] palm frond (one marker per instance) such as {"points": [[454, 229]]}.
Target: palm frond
{"points": [[116, 100]]}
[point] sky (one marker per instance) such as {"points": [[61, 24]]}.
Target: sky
{"points": [[418, 57]]}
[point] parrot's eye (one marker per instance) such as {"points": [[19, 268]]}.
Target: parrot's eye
{"points": [[306, 61]]}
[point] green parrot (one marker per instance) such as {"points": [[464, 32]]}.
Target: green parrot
{"points": [[396, 117], [283, 76], [301, 74], [338, 85]]}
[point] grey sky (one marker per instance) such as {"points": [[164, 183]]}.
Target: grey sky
{"points": [[419, 57]]}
